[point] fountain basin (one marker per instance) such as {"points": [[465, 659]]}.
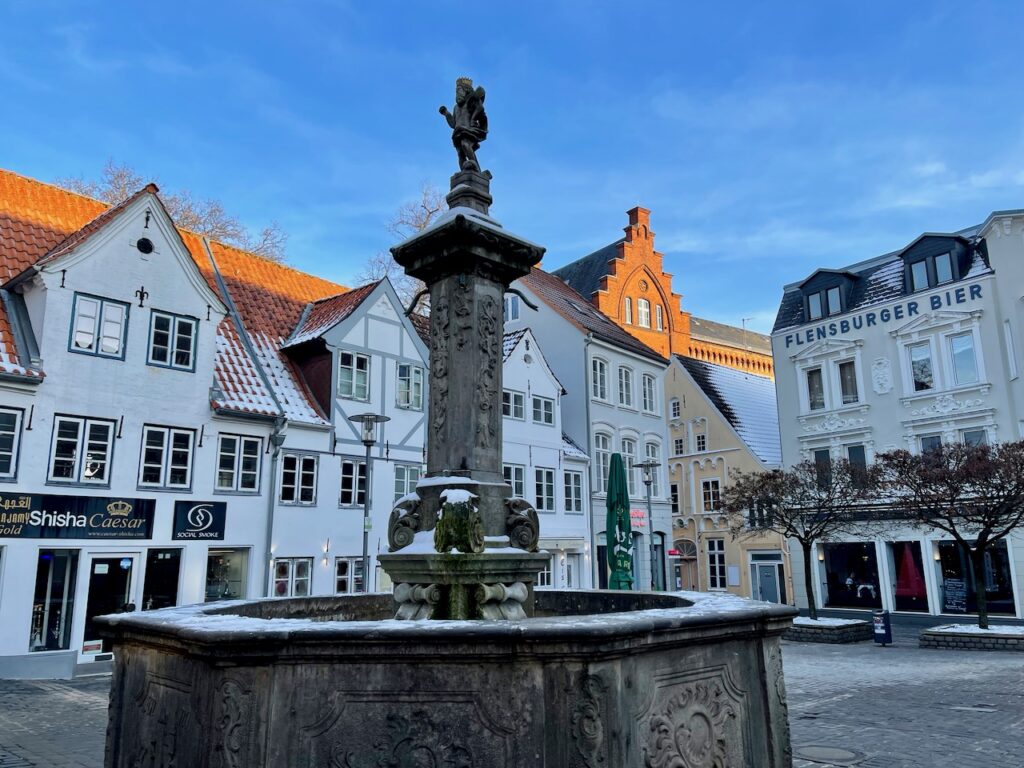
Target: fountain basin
{"points": [[595, 678]]}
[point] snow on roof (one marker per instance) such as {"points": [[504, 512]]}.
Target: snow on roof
{"points": [[240, 384], [569, 448], [746, 401]]}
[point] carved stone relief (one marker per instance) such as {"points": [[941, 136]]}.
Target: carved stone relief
{"points": [[945, 405], [777, 680], [235, 723], [403, 524], [833, 423], [588, 723], [522, 524], [166, 727], [440, 319], [881, 376], [489, 334]]}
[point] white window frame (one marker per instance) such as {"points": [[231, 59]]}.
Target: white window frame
{"points": [[948, 349], [675, 410], [627, 314], [717, 567], [238, 483], [15, 435], [98, 331], [84, 427], [291, 579], [679, 446], [544, 489], [700, 442], [599, 379], [546, 410], [629, 460], [625, 386], [358, 387], [982, 430], [515, 403], [652, 452], [840, 396], [167, 449], [176, 323], [643, 313], [406, 477], [649, 389], [573, 482], [544, 575], [356, 583], [409, 390], [303, 463], [659, 317], [515, 476], [711, 495], [908, 366], [602, 460], [353, 474], [805, 380], [511, 308]]}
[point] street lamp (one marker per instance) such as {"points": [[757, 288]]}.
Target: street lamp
{"points": [[648, 467], [368, 428]]}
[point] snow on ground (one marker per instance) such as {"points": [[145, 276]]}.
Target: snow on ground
{"points": [[804, 621], [974, 629]]}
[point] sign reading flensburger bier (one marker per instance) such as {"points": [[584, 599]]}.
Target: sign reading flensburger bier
{"points": [[45, 516], [199, 520]]}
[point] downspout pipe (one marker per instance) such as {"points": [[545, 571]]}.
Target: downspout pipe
{"points": [[594, 565], [276, 441]]}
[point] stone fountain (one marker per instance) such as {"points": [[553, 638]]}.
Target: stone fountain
{"points": [[464, 666]]}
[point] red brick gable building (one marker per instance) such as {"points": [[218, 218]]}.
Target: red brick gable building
{"points": [[626, 280]]}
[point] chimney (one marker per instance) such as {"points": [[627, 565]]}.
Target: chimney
{"points": [[639, 224]]}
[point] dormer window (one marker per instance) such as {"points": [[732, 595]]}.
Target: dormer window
{"points": [[823, 303], [931, 271]]}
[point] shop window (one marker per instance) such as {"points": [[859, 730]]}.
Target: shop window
{"points": [[658, 571], [10, 440], [166, 457], [909, 591], [573, 570], [921, 371], [573, 491], [172, 341], [716, 564], [650, 400], [626, 387], [848, 382], [602, 458], [602, 561], [226, 574], [544, 486], [81, 450], [544, 575], [515, 476], [99, 326], [513, 405], [298, 479], [238, 463], [964, 362], [957, 587], [353, 376], [406, 477], [410, 387], [54, 600], [851, 576], [353, 483], [348, 575], [292, 576], [599, 379], [160, 588], [544, 410]]}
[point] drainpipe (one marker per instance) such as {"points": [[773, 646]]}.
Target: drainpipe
{"points": [[594, 565], [276, 441]]}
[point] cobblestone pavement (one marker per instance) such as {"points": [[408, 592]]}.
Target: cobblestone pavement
{"points": [[895, 707]]}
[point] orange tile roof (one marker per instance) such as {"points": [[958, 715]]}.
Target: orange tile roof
{"points": [[39, 220]]}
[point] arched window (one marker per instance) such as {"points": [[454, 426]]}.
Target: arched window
{"points": [[627, 314], [643, 313], [599, 379], [629, 460], [626, 386], [653, 453], [602, 455], [659, 319]]}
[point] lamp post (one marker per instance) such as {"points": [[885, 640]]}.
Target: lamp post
{"points": [[648, 467], [368, 433]]}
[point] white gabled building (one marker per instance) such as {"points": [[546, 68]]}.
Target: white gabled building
{"points": [[909, 350], [542, 464], [613, 403]]}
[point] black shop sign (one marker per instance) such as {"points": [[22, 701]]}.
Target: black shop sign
{"points": [[198, 520], [45, 516]]}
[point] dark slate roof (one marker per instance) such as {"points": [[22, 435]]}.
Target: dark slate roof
{"points": [[509, 341], [581, 313], [746, 401], [584, 275], [730, 335], [875, 281]]}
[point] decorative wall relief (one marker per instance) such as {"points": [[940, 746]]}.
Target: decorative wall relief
{"points": [[167, 727], [588, 722], [404, 522], [463, 311], [945, 405], [489, 336], [694, 720], [881, 376], [522, 524], [235, 723], [439, 322], [777, 681], [833, 423], [411, 741]]}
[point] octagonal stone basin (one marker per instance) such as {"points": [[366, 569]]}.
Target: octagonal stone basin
{"points": [[596, 678]]}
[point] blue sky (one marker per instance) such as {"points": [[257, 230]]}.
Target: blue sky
{"points": [[767, 138]]}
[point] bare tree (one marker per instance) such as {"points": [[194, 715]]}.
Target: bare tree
{"points": [[974, 493], [411, 217], [809, 502], [118, 182]]}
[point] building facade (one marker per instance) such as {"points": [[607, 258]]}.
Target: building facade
{"points": [[613, 403], [627, 282], [721, 420], [909, 350]]}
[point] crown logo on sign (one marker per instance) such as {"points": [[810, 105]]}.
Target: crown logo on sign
{"points": [[119, 508]]}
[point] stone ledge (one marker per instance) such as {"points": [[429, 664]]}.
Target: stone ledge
{"points": [[969, 641], [843, 633]]}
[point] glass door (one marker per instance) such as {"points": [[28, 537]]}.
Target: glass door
{"points": [[160, 587], [110, 591]]}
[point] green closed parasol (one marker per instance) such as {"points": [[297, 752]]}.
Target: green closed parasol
{"points": [[618, 533]]}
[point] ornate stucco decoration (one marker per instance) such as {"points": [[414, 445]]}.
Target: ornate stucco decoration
{"points": [[833, 423], [881, 376], [945, 405]]}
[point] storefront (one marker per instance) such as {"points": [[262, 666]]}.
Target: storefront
{"points": [[851, 575]]}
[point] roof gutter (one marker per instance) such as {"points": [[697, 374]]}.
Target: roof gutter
{"points": [[21, 378]]}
